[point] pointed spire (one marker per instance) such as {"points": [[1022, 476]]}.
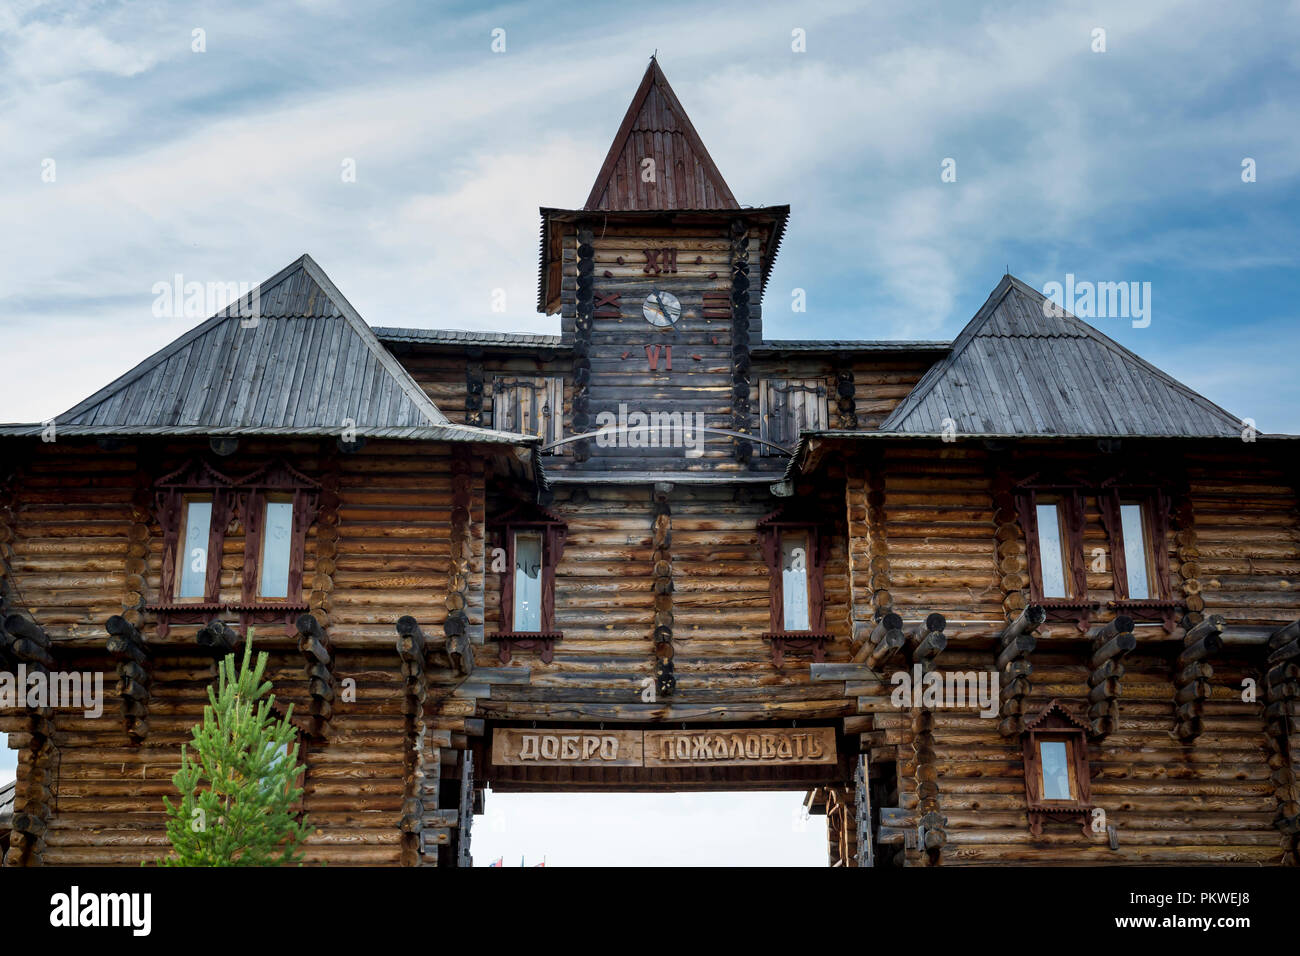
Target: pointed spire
{"points": [[681, 174]]}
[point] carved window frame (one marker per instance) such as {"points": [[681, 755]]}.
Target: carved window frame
{"points": [[554, 531], [771, 529], [234, 499], [1069, 497], [1157, 508], [1057, 722]]}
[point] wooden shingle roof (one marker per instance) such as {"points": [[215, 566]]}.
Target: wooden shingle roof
{"points": [[1019, 369], [657, 128], [291, 357]]}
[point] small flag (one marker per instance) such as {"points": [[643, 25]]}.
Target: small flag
{"points": [[500, 861]]}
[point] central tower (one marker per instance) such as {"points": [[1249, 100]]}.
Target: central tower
{"points": [[658, 281]]}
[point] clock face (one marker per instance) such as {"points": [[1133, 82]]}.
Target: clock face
{"points": [[662, 309]]}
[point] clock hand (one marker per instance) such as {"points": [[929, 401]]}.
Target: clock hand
{"points": [[663, 309]]}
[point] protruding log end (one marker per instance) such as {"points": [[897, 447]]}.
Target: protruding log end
{"points": [[307, 624], [218, 638]]}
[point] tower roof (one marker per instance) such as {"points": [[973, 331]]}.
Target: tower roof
{"points": [[656, 128]]}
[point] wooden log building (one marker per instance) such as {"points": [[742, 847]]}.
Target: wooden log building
{"points": [[659, 551]]}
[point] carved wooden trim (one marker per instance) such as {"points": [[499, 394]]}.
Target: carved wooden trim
{"points": [[474, 385], [1077, 607], [846, 399], [582, 330], [741, 381], [554, 532], [662, 563], [770, 530], [243, 497]]}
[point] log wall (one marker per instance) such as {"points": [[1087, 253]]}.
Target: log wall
{"points": [[386, 552]]}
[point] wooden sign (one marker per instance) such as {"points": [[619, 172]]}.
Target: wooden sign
{"points": [[735, 748], [567, 748], [662, 748]]}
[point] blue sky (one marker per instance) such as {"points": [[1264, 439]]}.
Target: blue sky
{"points": [[225, 165]]}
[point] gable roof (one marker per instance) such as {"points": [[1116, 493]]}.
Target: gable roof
{"points": [[1019, 369], [657, 127], [290, 357]]}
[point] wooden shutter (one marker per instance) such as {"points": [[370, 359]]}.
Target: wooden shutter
{"points": [[787, 406], [531, 406]]}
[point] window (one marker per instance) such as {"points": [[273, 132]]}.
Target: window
{"points": [[1052, 560], [198, 508], [1137, 549], [1057, 783], [1056, 769], [794, 580], [787, 406], [530, 406], [277, 541], [1052, 519], [192, 557], [525, 553], [528, 581], [1137, 525], [795, 551]]}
